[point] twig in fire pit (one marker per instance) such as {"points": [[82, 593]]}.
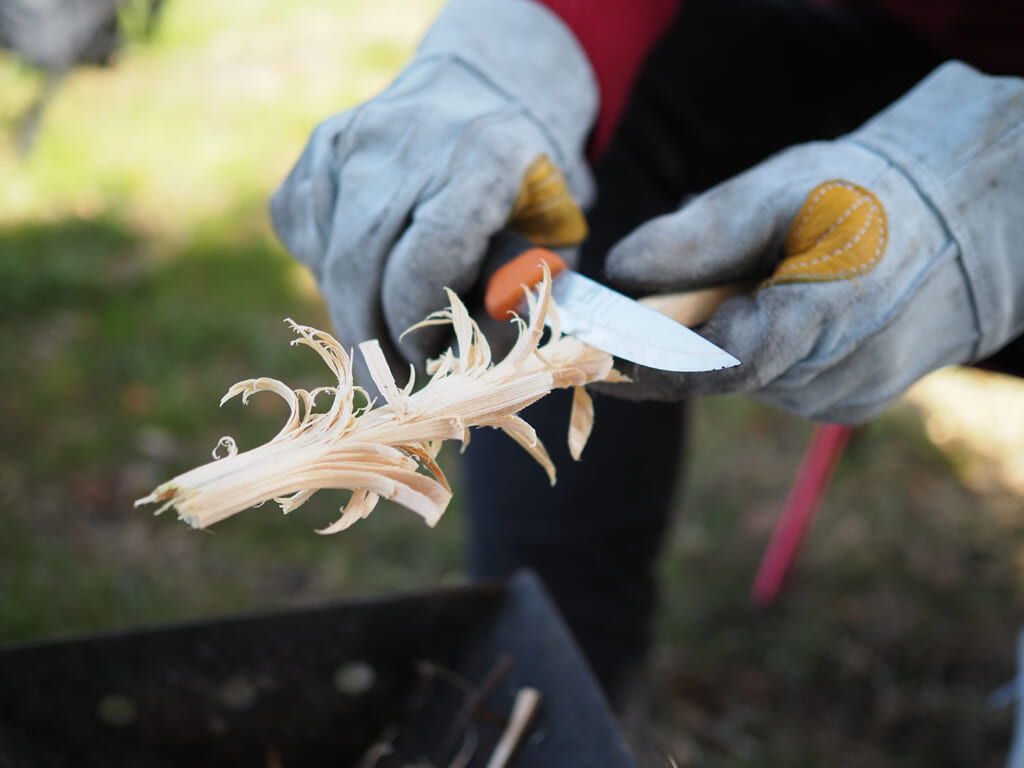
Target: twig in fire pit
{"points": [[525, 705], [474, 698]]}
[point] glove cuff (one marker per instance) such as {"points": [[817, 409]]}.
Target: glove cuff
{"points": [[959, 137], [524, 51]]}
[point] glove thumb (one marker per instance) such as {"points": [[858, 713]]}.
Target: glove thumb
{"points": [[545, 212], [734, 231]]}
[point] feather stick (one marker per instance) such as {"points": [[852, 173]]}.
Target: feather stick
{"points": [[389, 451]]}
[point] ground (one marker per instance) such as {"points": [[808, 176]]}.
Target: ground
{"points": [[139, 278]]}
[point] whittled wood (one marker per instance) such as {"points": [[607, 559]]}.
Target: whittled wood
{"points": [[381, 451]]}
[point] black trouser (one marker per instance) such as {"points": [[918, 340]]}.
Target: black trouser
{"points": [[733, 81]]}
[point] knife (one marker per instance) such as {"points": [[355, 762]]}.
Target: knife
{"points": [[594, 313]]}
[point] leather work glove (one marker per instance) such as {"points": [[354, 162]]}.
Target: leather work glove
{"points": [[883, 255], [394, 200]]}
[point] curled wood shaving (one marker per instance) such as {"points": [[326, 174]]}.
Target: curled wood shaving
{"points": [[581, 422], [390, 451]]}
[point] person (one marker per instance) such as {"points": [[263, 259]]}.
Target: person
{"points": [[861, 163]]}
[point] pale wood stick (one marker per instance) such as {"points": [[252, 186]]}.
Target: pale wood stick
{"points": [[692, 308], [522, 711]]}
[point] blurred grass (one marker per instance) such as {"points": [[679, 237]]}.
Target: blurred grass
{"points": [[898, 622], [139, 278]]}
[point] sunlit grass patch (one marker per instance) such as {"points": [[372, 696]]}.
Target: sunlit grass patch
{"points": [[977, 418], [214, 109]]}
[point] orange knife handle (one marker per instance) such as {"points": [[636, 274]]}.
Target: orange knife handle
{"points": [[505, 287]]}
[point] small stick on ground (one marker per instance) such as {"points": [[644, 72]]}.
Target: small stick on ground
{"points": [[525, 705]]}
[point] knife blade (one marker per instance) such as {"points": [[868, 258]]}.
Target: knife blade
{"points": [[595, 313]]}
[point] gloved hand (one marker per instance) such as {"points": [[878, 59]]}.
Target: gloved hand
{"points": [[394, 200], [888, 253]]}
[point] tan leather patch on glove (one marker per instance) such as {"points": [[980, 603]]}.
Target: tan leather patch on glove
{"points": [[545, 212], [839, 233]]}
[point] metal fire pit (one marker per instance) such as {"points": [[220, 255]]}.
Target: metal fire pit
{"points": [[424, 679]]}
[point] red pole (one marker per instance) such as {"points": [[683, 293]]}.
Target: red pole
{"points": [[805, 497]]}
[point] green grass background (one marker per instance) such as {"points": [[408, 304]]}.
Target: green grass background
{"points": [[139, 278]]}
